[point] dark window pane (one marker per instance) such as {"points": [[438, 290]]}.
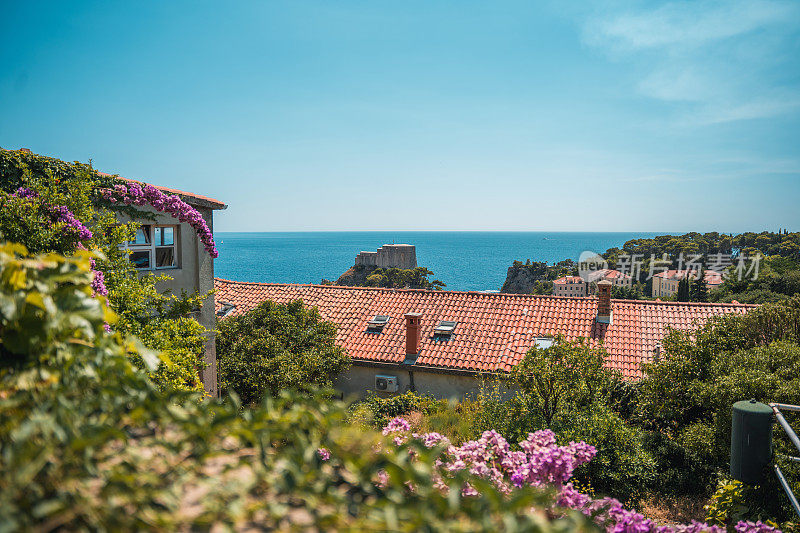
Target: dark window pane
{"points": [[165, 257], [141, 259]]}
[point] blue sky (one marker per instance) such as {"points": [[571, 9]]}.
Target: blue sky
{"points": [[608, 116]]}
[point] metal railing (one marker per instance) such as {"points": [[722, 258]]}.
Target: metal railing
{"points": [[776, 408]]}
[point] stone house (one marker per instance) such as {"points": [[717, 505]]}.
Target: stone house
{"points": [[587, 285], [666, 283], [569, 286]]}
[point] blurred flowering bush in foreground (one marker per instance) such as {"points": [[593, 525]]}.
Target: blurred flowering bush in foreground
{"points": [[540, 462]]}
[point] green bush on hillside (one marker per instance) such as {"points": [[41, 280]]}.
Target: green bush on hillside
{"points": [[403, 278], [564, 376], [687, 396]]}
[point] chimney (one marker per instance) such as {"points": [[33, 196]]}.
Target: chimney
{"points": [[604, 302], [412, 333]]}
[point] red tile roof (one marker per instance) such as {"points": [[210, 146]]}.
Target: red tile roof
{"points": [[189, 197], [494, 331], [568, 279], [607, 273]]}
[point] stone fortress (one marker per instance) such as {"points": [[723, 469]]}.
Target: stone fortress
{"points": [[389, 256]]}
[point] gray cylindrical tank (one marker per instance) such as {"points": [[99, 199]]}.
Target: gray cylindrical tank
{"points": [[751, 441]]}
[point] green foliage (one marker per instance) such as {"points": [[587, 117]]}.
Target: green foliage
{"points": [[727, 505], [686, 397], [87, 442], [47, 312], [540, 273], [399, 278], [778, 279], [276, 347], [699, 289], [635, 292], [161, 321], [684, 292], [562, 376], [542, 287], [384, 409], [623, 468], [734, 501]]}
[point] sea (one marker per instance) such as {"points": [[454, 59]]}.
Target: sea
{"points": [[463, 260]]}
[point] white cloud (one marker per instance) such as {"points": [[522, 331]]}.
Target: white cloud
{"points": [[688, 24], [722, 60]]}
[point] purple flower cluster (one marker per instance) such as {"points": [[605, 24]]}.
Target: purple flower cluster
{"points": [[324, 453], [541, 461], [98, 280], [136, 194], [62, 214], [24, 192], [59, 213], [755, 527]]}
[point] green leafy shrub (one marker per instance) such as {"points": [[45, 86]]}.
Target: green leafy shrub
{"points": [[685, 398], [403, 278], [623, 467], [87, 442], [276, 347], [727, 504], [383, 409]]}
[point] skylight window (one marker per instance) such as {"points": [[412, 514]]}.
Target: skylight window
{"points": [[543, 342], [445, 327], [378, 321]]}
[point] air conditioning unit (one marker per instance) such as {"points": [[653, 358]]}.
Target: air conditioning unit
{"points": [[386, 383]]}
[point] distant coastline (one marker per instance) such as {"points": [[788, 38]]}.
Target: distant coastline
{"points": [[464, 260]]}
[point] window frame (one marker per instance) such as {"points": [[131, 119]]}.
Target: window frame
{"points": [[152, 247]]}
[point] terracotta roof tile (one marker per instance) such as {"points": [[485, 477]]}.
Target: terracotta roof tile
{"points": [[568, 279], [494, 330]]}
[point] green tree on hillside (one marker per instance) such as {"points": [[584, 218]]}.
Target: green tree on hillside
{"points": [[399, 278], [683, 294], [699, 288]]}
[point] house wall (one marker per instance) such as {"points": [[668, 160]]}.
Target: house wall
{"points": [[360, 380], [664, 287], [195, 272], [569, 289]]}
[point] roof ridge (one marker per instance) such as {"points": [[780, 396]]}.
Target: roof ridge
{"points": [[480, 293], [389, 289], [163, 188]]}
